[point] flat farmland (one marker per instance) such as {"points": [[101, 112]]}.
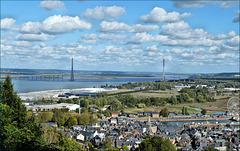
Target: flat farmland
{"points": [[171, 108], [155, 93]]}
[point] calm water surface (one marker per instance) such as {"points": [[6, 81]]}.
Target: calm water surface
{"points": [[24, 86]]}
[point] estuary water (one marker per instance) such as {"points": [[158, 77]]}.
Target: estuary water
{"points": [[24, 86]]}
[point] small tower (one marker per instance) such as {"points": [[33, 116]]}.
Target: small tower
{"points": [[149, 124], [72, 76]]}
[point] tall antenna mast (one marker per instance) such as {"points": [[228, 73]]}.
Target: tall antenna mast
{"points": [[72, 76], [163, 78]]}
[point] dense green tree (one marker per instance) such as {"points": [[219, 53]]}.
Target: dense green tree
{"points": [[93, 119], [85, 103], [107, 113], [71, 122], [186, 111], [10, 98], [65, 110], [127, 100], [146, 101], [43, 117], [58, 117], [164, 112], [18, 132], [91, 147], [50, 134], [115, 104], [112, 149], [204, 112], [211, 148], [156, 143], [190, 91], [86, 118], [70, 145], [184, 97], [125, 148], [66, 117], [183, 110], [107, 143], [200, 98], [173, 100]]}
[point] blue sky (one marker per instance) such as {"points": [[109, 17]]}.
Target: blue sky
{"points": [[192, 36]]}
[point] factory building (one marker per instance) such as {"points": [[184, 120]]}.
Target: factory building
{"points": [[49, 107]]}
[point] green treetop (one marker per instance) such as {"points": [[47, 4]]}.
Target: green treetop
{"points": [[156, 143]]}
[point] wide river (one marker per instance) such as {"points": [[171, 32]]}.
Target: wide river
{"points": [[24, 86]]}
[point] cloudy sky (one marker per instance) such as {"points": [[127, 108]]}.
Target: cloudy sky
{"points": [[195, 37]]}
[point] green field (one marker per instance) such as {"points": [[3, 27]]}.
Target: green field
{"points": [[219, 105], [120, 91], [156, 93], [171, 108], [149, 93]]}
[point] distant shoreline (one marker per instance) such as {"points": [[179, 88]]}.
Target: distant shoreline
{"points": [[79, 76]]}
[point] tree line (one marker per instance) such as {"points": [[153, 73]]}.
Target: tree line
{"points": [[119, 102]]}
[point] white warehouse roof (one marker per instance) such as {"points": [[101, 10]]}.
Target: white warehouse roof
{"points": [[52, 106]]}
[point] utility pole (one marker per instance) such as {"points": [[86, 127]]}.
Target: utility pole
{"points": [[79, 107]]}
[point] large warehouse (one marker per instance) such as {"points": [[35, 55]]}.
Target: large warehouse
{"points": [[49, 107]]}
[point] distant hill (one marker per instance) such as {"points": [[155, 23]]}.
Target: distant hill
{"points": [[234, 74], [231, 74], [217, 76]]}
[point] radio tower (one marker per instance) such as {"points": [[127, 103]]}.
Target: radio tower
{"points": [[163, 78], [72, 76]]}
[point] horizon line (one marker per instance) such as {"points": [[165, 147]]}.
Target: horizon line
{"points": [[125, 71]]}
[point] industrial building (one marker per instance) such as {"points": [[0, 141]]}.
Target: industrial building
{"points": [[49, 107]]}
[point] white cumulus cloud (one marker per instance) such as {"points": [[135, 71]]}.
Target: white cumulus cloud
{"points": [[237, 18], [58, 24], [114, 26], [231, 34], [227, 4], [30, 27], [34, 37], [102, 12], [182, 30], [152, 48], [234, 42], [159, 15], [189, 4], [21, 43], [7, 23], [51, 5], [95, 39], [143, 28], [111, 36], [199, 4], [144, 37], [120, 27]]}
